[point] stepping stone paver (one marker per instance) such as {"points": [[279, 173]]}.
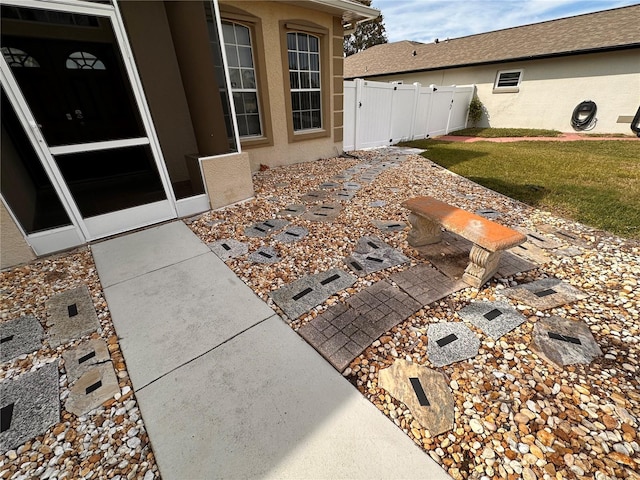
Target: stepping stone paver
{"points": [[489, 213], [19, 336], [389, 225], [426, 284], [265, 255], [493, 318], [307, 292], [377, 203], [351, 186], [266, 228], [30, 404], [324, 212], [293, 210], [344, 195], [329, 185], [79, 360], [372, 254], [545, 294], [539, 239], [344, 331], [92, 389], [451, 342], [292, 234], [71, 315], [531, 252], [228, 248], [314, 196], [564, 235], [568, 252], [511, 264], [562, 341], [424, 391]]}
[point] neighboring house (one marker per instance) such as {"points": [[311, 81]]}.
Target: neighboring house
{"points": [[530, 76], [121, 114]]}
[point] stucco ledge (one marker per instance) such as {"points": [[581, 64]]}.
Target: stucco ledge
{"points": [[228, 178]]}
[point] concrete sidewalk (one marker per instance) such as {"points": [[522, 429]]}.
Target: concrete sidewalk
{"points": [[225, 387]]}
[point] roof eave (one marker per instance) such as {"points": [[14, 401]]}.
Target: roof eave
{"points": [[352, 12], [508, 60]]}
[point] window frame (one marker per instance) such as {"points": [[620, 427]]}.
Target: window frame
{"points": [[510, 88], [323, 36], [229, 13]]}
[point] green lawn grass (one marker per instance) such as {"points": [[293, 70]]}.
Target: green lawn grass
{"points": [[593, 182], [506, 132]]}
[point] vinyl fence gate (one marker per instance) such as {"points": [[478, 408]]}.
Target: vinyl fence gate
{"points": [[381, 114]]}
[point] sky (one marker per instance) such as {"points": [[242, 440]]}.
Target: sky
{"points": [[426, 20]]}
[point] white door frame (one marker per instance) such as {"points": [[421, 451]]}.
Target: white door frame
{"points": [[111, 223]]}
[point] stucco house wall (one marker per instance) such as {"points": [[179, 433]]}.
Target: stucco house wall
{"points": [[550, 89]]}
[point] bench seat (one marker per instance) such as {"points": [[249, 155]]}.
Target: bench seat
{"points": [[490, 239]]}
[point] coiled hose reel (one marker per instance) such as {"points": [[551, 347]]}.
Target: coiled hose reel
{"points": [[584, 115]]}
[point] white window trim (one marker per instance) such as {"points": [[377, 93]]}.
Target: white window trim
{"points": [[510, 89]]}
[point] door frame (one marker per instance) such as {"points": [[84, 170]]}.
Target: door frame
{"points": [[83, 230]]}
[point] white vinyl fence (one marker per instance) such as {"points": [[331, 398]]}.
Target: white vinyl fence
{"points": [[380, 114]]}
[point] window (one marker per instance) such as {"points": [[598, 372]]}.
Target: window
{"points": [[508, 81], [84, 61], [237, 42], [19, 58], [303, 52]]}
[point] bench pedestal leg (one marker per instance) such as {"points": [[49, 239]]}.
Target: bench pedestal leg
{"points": [[482, 266], [424, 232]]}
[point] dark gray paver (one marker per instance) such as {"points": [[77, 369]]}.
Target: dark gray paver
{"points": [[323, 212], [540, 239], [351, 186], [30, 405], [344, 195], [71, 315], [79, 360], [511, 264], [426, 284], [344, 331], [20, 335], [371, 255], [489, 213], [293, 210], [266, 228], [422, 389], [292, 234], [493, 318], [377, 203], [389, 225], [563, 341], [329, 185], [314, 196], [265, 255], [97, 385], [307, 292], [228, 248], [451, 342], [545, 294]]}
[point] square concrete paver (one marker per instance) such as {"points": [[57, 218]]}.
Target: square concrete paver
{"points": [[293, 210], [265, 255], [228, 248], [292, 234], [493, 318], [344, 331], [19, 336], [371, 255], [97, 385], [323, 212], [451, 342], [30, 404], [511, 264], [266, 228], [71, 315], [540, 239], [78, 360], [314, 196], [545, 294], [531, 252], [426, 284], [307, 292], [389, 225]]}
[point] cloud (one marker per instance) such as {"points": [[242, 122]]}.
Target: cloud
{"points": [[426, 20]]}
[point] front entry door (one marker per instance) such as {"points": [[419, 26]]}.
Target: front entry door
{"points": [[86, 116]]}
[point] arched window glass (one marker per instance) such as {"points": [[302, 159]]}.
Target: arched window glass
{"points": [[19, 58], [84, 61]]}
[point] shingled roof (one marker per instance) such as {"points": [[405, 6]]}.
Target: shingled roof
{"points": [[593, 32]]}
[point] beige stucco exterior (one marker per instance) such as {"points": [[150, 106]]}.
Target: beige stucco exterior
{"points": [[550, 89], [227, 178], [14, 249]]}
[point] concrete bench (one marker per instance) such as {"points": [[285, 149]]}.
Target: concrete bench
{"points": [[489, 238]]}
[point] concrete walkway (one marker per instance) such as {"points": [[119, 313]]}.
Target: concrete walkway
{"points": [[226, 388]]}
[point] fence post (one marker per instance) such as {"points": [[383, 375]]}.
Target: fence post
{"points": [[358, 104], [416, 98], [453, 95]]}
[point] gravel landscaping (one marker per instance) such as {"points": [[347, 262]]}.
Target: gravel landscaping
{"points": [[516, 415]]}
